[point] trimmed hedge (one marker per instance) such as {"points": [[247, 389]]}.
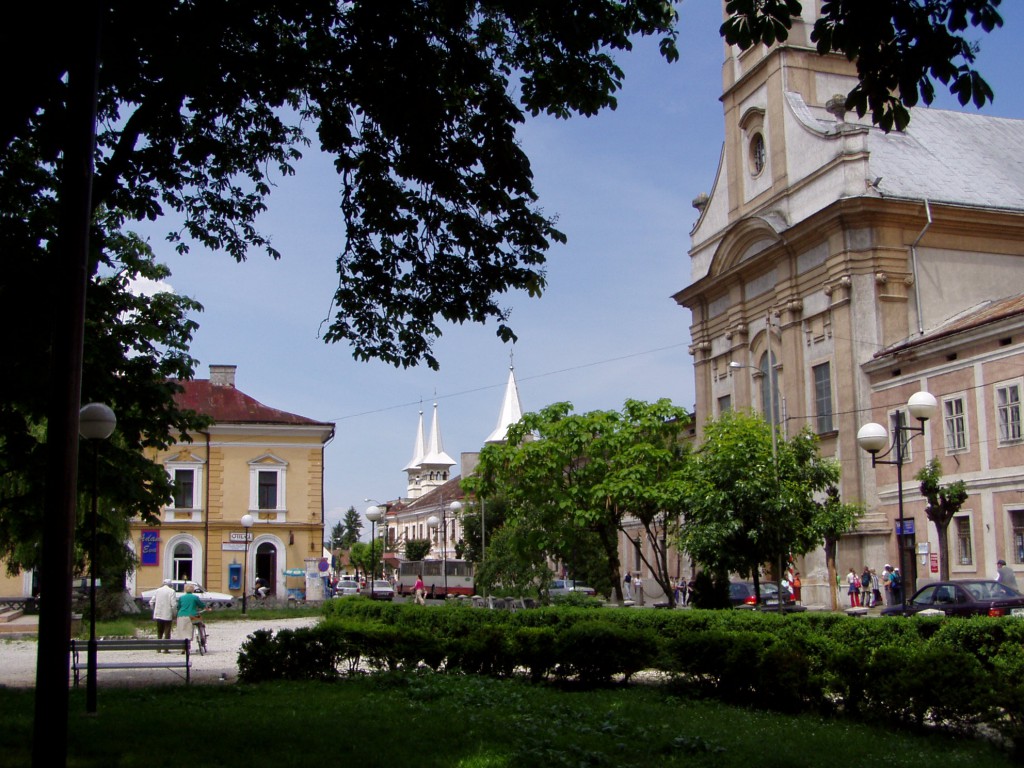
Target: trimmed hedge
{"points": [[954, 673]]}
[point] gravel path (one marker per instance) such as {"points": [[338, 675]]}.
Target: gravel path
{"points": [[220, 664]]}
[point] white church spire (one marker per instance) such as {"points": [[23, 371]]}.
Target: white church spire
{"points": [[511, 410], [417, 448], [436, 457]]}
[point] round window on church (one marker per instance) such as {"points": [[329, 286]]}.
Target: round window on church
{"points": [[758, 155]]}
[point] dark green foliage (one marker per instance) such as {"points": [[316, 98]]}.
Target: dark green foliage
{"points": [[709, 591], [951, 673], [902, 47], [596, 651], [533, 649]]}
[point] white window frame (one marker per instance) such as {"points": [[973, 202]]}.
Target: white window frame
{"points": [[951, 421], [194, 464], [956, 565], [268, 462], [1010, 431]]}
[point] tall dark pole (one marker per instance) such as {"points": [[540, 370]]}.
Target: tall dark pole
{"points": [[90, 679], [50, 724], [247, 521], [899, 507], [444, 549], [96, 422]]}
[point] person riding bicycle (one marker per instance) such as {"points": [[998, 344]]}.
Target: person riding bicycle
{"points": [[261, 589]]}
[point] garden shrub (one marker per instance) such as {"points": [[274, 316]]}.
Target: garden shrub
{"points": [[533, 649], [594, 652]]}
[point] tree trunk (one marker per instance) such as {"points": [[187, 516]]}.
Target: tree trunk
{"points": [[943, 529], [830, 563]]}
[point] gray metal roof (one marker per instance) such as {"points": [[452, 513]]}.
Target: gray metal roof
{"points": [[952, 157]]}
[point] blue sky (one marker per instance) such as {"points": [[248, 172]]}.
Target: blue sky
{"points": [[606, 328]]}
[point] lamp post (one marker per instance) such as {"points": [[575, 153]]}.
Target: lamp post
{"points": [[432, 522], [373, 514], [247, 522], [771, 421], [873, 437], [96, 421]]}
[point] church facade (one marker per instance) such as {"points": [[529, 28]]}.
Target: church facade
{"points": [[829, 257]]}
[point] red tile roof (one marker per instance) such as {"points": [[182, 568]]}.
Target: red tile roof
{"points": [[989, 312], [225, 404]]}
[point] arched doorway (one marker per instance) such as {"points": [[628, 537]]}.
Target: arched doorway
{"points": [[265, 565]]}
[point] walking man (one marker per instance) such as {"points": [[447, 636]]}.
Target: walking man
{"points": [[164, 602]]}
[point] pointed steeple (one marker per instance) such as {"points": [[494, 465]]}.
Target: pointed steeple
{"points": [[511, 410], [417, 448], [436, 457], [413, 469]]}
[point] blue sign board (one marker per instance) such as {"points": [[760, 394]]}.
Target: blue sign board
{"points": [[151, 548], [908, 527]]}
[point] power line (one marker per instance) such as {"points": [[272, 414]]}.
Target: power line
{"points": [[486, 387]]}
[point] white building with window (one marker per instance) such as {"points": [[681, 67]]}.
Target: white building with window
{"points": [[828, 256]]}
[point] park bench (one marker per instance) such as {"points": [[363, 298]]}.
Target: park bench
{"points": [[179, 647]]}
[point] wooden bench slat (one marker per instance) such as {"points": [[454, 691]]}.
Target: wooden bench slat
{"points": [[181, 646]]}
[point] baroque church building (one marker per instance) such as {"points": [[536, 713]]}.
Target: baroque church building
{"points": [[837, 269]]}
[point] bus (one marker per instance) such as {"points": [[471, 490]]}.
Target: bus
{"points": [[459, 579]]}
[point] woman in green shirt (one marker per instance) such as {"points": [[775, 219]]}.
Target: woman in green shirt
{"points": [[189, 605]]}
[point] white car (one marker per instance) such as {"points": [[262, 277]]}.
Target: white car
{"points": [[562, 587], [346, 587], [210, 599]]}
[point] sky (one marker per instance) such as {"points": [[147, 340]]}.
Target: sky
{"points": [[606, 328]]}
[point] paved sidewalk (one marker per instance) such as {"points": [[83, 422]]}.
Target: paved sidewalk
{"points": [[219, 665]]}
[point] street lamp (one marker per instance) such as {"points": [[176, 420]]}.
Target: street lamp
{"points": [[873, 437], [432, 522], [373, 514], [96, 421], [247, 522]]}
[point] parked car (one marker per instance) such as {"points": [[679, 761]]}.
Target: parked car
{"points": [[380, 590], [742, 595], [210, 599], [968, 597], [346, 587], [567, 586]]}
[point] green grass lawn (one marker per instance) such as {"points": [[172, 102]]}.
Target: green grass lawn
{"points": [[438, 720]]}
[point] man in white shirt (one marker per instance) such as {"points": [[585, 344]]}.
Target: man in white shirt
{"points": [[164, 602]]}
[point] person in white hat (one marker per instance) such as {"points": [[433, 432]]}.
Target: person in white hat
{"points": [[165, 602]]}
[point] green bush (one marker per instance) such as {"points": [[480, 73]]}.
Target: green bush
{"points": [[953, 673], [594, 652]]}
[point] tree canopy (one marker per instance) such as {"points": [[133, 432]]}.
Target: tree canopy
{"points": [[136, 350], [202, 105], [944, 502], [570, 481], [748, 505]]}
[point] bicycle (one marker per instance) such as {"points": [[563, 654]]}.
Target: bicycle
{"points": [[199, 632]]}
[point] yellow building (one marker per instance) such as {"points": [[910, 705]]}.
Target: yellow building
{"points": [[252, 460]]}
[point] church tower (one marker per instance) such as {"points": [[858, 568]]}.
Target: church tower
{"points": [[430, 466], [511, 410]]}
